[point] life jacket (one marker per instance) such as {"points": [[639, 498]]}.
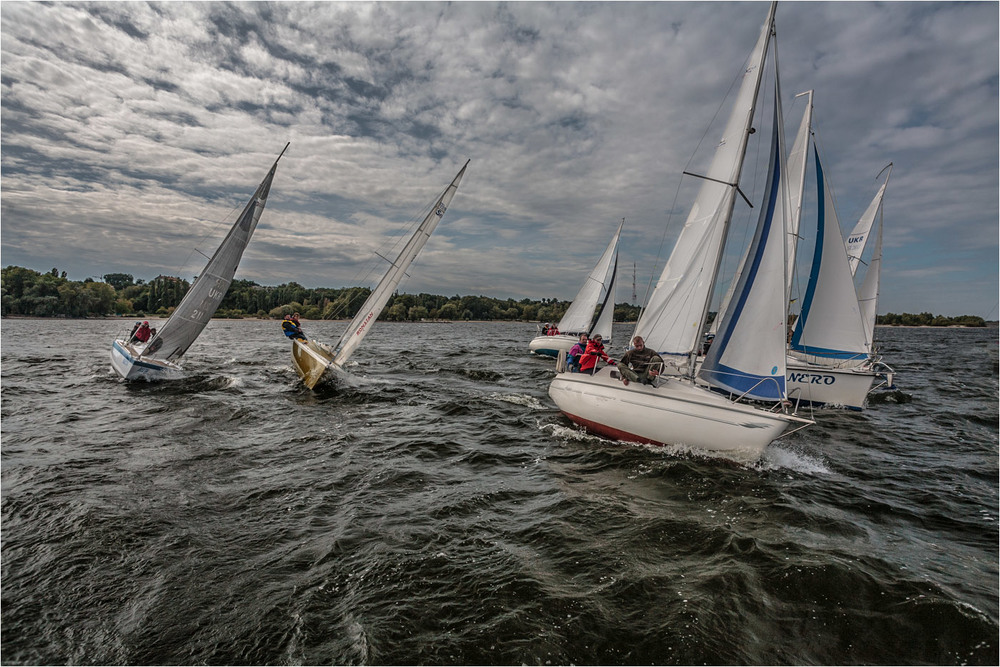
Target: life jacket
{"points": [[289, 327]]}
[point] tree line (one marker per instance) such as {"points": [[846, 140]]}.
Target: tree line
{"points": [[27, 292]]}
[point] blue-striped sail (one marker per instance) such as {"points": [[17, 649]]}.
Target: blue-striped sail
{"points": [[830, 329], [748, 355]]}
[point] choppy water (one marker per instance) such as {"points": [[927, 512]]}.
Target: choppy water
{"points": [[440, 510]]}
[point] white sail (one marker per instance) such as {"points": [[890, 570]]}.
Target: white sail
{"points": [[868, 294], [606, 318], [748, 354], [579, 317], [796, 171], [855, 243], [188, 320], [673, 319], [829, 329], [376, 301]]}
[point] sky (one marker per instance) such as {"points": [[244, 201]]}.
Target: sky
{"points": [[132, 133]]}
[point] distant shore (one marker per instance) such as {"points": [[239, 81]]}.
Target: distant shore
{"points": [[989, 325]]}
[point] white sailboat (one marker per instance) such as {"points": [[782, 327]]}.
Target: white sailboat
{"points": [[703, 409], [579, 317], [157, 358], [831, 356], [314, 360]]}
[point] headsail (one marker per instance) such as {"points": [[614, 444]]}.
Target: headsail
{"points": [[796, 172], [606, 317], [829, 328], [673, 319], [579, 317], [376, 301], [748, 355], [203, 298]]}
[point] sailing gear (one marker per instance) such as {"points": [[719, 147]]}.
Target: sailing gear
{"points": [[291, 329], [594, 351]]}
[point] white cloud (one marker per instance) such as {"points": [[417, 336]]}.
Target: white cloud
{"points": [[126, 127]]}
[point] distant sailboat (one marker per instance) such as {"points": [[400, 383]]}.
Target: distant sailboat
{"points": [[831, 356], [157, 358], [314, 360], [703, 409], [582, 317]]}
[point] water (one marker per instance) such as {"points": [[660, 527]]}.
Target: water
{"points": [[440, 510]]}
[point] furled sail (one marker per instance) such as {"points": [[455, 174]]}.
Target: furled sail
{"points": [[579, 317], [203, 298], [673, 319], [829, 329], [376, 301], [748, 355]]}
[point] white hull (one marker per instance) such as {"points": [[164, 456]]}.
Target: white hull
{"points": [[550, 346], [127, 361], [673, 413], [822, 385]]}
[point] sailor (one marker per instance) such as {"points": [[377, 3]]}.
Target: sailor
{"points": [[594, 351], [575, 352], [640, 363], [290, 327], [142, 333]]}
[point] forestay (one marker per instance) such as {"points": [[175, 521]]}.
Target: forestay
{"points": [[203, 298]]}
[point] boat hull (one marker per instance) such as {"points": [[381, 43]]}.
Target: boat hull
{"points": [[824, 386], [127, 361], [673, 413], [550, 346], [311, 360]]}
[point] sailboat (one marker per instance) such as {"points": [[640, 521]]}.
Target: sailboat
{"points": [[704, 409], [580, 316], [831, 355], [157, 358], [314, 360]]}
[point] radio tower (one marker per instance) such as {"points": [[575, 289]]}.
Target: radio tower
{"points": [[633, 285]]}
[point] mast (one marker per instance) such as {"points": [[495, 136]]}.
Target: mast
{"points": [[766, 34], [373, 305]]}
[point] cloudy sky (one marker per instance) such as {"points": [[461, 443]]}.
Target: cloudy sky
{"points": [[131, 132]]}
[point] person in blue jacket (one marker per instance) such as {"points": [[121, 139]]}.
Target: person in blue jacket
{"points": [[291, 328]]}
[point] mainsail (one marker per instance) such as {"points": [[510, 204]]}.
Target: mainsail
{"points": [[579, 317], [673, 319], [376, 301], [859, 235], [203, 298]]}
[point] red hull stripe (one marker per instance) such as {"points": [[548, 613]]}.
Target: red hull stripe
{"points": [[612, 433]]}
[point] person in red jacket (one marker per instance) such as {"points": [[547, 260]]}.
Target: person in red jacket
{"points": [[594, 351]]}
